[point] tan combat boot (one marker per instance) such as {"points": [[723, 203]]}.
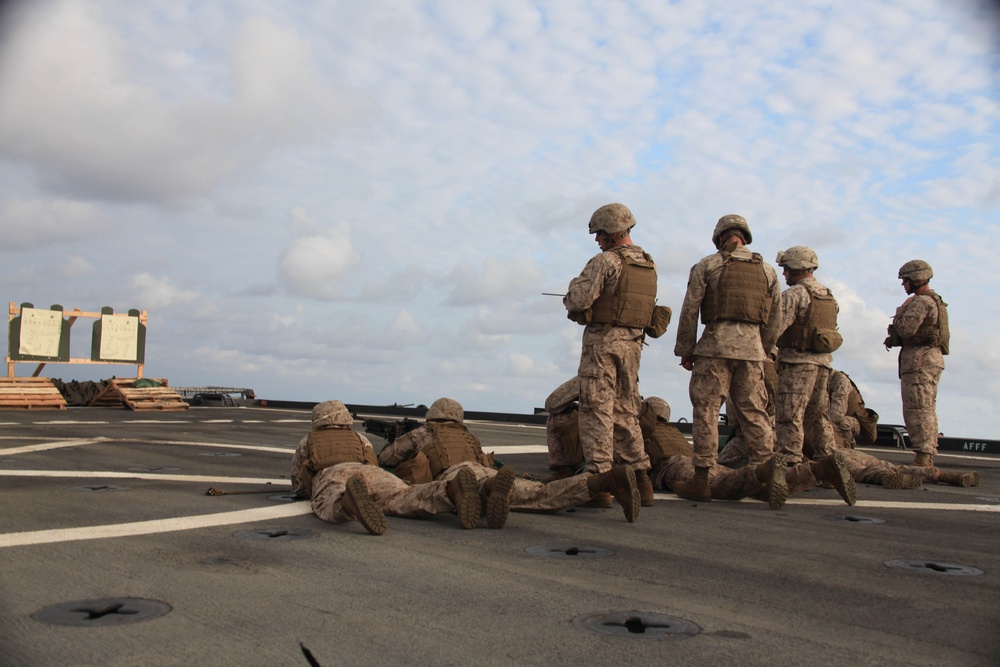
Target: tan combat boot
{"points": [[464, 495], [645, 488], [619, 482], [901, 480], [963, 479], [833, 470], [772, 475], [497, 493], [362, 508], [923, 460], [696, 488]]}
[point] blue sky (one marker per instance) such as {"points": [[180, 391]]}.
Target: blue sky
{"points": [[365, 201]]}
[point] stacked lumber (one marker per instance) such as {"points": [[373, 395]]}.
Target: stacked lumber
{"points": [[30, 393], [144, 397]]}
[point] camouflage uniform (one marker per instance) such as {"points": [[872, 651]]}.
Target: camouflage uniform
{"points": [[920, 368], [728, 361], [526, 496], [865, 468], [726, 483], [562, 432], [803, 401], [608, 372], [846, 428], [396, 498]]}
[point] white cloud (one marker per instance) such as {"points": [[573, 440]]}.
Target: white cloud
{"points": [[219, 141], [317, 265], [157, 292], [74, 107], [27, 223], [525, 366], [492, 282]]}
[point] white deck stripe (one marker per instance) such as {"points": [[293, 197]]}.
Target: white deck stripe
{"points": [[41, 447], [861, 504], [89, 441], [154, 526], [104, 474]]}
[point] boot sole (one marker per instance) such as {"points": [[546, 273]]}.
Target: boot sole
{"points": [[498, 504], [893, 481], [844, 483], [364, 508], [628, 497], [467, 503], [778, 493]]}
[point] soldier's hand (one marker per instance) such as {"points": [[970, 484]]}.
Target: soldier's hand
{"points": [[687, 363]]}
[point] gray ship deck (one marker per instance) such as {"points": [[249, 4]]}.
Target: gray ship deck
{"points": [[105, 509]]}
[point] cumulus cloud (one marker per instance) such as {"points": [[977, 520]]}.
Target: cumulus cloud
{"points": [[75, 107], [525, 366], [27, 223], [317, 265], [493, 282], [156, 292], [495, 129]]}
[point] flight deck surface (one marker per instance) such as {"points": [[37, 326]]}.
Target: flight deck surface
{"points": [[111, 553]]}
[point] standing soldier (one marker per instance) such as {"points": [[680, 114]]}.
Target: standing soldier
{"points": [[738, 297], [808, 337], [614, 297], [920, 328]]}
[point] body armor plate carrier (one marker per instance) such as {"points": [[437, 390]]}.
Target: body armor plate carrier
{"points": [[742, 293], [820, 317], [453, 443], [664, 440], [632, 302], [929, 334], [330, 446]]}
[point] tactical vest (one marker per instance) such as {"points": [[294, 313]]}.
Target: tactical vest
{"points": [[452, 443], [821, 315], [664, 440], [867, 418], [742, 292], [929, 334], [568, 434], [632, 302], [329, 446]]}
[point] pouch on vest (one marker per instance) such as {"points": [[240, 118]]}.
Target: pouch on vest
{"points": [[661, 320], [415, 471], [827, 340]]}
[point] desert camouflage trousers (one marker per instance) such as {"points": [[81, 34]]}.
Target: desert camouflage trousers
{"points": [[803, 411], [393, 495], [712, 380], [919, 389], [725, 483], [609, 405], [530, 496], [867, 469]]}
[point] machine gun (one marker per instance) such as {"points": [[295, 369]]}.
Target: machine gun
{"points": [[389, 429]]}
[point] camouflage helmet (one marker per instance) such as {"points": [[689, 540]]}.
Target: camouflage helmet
{"points": [[563, 396], [612, 218], [658, 407], [731, 221], [917, 270], [445, 409], [331, 413], [798, 258]]}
